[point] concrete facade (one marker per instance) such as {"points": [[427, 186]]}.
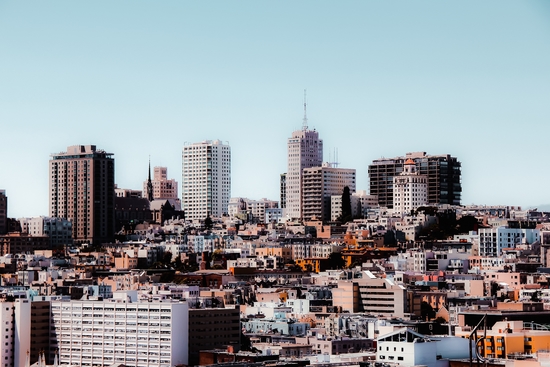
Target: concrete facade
{"points": [[305, 150], [206, 179], [319, 184], [82, 190]]}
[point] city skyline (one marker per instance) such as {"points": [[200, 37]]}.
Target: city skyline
{"points": [[138, 80]]}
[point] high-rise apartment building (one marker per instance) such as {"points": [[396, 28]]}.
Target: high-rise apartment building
{"points": [[82, 189], [162, 187], [319, 184], [443, 173], [120, 332], [3, 212], [206, 179], [410, 190], [305, 150]]}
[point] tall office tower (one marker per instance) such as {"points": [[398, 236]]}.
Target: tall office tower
{"points": [[319, 184], [206, 179], [3, 212], [443, 172], [82, 189], [160, 186], [410, 190], [305, 150]]}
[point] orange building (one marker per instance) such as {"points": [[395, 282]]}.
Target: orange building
{"points": [[507, 339]]}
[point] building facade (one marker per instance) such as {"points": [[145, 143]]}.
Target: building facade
{"points": [[3, 212], [443, 173], [58, 230], [319, 184], [493, 240], [213, 328], [206, 179], [82, 190], [162, 187], [410, 190], [283, 190], [104, 333], [15, 332], [305, 150]]}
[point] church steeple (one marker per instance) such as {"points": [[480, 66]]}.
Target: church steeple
{"points": [[149, 184]]}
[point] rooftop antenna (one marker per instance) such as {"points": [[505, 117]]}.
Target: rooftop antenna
{"points": [[304, 123]]}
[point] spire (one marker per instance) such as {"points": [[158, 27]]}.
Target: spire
{"points": [[149, 184], [304, 123]]}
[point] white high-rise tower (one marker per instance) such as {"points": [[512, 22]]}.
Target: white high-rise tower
{"points": [[206, 179], [305, 150]]}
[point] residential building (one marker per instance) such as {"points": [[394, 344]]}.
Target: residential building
{"points": [[369, 294], [15, 332], [305, 150], [3, 212], [120, 331], [128, 193], [252, 210], [508, 338], [360, 204], [206, 179], [82, 190], [22, 243], [493, 240], [443, 173], [40, 329], [58, 230], [319, 184], [409, 348], [410, 190], [213, 328], [162, 187]]}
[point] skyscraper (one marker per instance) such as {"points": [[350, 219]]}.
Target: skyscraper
{"points": [[206, 179], [82, 189], [305, 150], [443, 172]]}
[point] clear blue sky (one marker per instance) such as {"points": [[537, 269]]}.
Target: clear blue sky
{"points": [[140, 78]]}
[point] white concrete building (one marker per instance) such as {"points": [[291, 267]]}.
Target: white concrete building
{"points": [[409, 348], [305, 150], [410, 190], [122, 331], [493, 240], [206, 179], [255, 210], [15, 332]]}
